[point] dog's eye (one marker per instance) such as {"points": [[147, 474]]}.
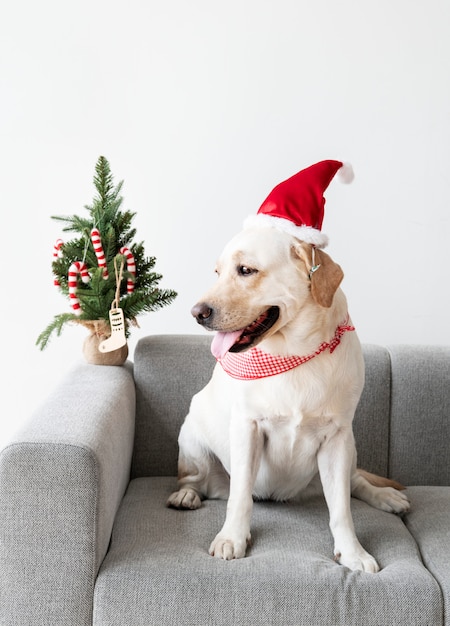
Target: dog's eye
{"points": [[243, 270]]}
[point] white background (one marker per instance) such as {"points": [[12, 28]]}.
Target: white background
{"points": [[202, 107]]}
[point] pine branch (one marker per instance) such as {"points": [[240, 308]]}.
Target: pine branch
{"points": [[74, 223], [146, 301], [59, 321]]}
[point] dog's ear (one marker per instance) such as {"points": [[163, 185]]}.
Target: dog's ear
{"points": [[325, 275], [326, 279]]}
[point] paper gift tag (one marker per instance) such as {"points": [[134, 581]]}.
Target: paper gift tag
{"points": [[117, 338]]}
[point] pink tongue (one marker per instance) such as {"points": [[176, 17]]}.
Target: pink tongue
{"points": [[222, 342]]}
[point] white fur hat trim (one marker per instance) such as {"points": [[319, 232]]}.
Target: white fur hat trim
{"points": [[304, 233]]}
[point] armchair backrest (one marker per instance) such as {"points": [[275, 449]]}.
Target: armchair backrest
{"points": [[168, 371], [419, 452], [401, 426]]}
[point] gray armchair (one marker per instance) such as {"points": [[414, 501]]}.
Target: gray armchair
{"points": [[86, 538]]}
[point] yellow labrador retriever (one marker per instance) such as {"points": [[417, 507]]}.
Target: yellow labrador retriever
{"points": [[273, 417]]}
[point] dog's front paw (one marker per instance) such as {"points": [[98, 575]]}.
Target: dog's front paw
{"points": [[227, 548], [185, 499], [360, 560]]}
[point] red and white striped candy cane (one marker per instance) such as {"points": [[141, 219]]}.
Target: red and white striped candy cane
{"points": [[97, 243], [57, 254], [131, 267], [77, 267]]}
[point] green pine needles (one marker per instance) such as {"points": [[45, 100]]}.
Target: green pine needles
{"points": [[77, 261]]}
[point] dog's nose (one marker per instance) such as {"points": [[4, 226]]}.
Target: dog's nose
{"points": [[202, 312]]}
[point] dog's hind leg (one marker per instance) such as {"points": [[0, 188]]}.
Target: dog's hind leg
{"points": [[381, 493], [200, 474]]}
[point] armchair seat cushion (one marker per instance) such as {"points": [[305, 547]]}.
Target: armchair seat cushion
{"points": [[288, 577], [429, 524]]}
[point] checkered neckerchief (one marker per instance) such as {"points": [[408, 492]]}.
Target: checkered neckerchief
{"points": [[255, 363]]}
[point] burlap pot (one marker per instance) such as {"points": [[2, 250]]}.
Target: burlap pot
{"points": [[99, 331]]}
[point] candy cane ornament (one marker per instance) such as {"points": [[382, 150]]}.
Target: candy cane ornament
{"points": [[77, 267], [57, 254], [97, 243], [131, 267]]}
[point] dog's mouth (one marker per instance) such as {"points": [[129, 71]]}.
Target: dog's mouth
{"points": [[240, 340]]}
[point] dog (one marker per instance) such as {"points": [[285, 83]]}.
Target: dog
{"points": [[249, 437]]}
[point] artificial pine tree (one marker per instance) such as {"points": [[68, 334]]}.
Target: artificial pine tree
{"points": [[101, 269]]}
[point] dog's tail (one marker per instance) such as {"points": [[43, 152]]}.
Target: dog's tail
{"points": [[380, 481]]}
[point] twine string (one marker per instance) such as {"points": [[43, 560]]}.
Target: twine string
{"points": [[119, 275], [86, 245]]}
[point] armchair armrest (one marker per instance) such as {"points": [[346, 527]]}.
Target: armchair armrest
{"points": [[61, 481]]}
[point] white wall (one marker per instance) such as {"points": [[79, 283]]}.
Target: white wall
{"points": [[202, 107]]}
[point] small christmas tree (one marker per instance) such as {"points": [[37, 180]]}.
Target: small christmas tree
{"points": [[101, 269]]}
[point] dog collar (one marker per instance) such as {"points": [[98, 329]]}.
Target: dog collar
{"points": [[256, 363]]}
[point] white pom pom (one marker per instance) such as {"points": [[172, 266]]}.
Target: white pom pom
{"points": [[345, 173]]}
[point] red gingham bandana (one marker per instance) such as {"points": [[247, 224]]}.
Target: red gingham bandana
{"points": [[255, 363]]}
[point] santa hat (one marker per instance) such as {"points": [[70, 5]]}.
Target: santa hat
{"points": [[297, 204]]}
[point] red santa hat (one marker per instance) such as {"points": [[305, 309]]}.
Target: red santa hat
{"points": [[297, 204]]}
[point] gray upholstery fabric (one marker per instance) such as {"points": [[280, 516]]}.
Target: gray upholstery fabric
{"points": [[158, 570], [420, 415], [61, 482], [371, 423], [168, 370]]}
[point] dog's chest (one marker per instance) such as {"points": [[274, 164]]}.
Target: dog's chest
{"points": [[289, 457], [294, 436]]}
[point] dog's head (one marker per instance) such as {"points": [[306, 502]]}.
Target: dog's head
{"points": [[266, 279]]}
